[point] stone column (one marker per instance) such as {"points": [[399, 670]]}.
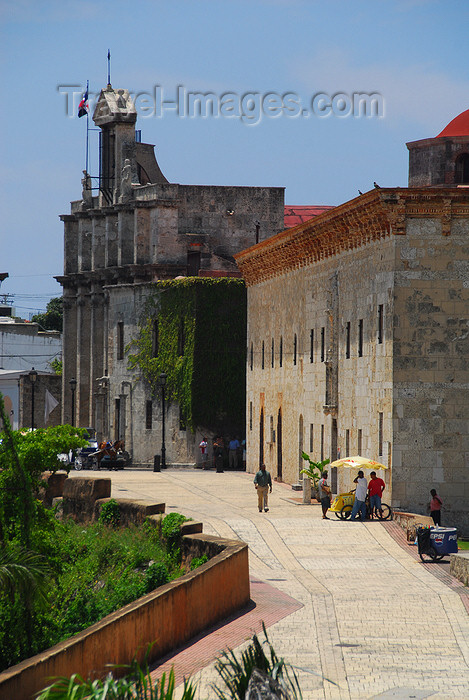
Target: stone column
{"points": [[142, 236], [125, 253], [98, 245], [70, 243], [69, 352], [84, 244], [110, 256]]}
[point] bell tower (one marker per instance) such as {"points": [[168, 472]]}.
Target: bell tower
{"points": [[442, 161], [115, 114]]}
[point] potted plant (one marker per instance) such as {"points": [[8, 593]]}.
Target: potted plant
{"points": [[313, 472]]}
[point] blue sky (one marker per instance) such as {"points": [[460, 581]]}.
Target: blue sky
{"points": [[413, 53]]}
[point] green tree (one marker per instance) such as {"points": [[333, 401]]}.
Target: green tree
{"points": [[52, 319]]}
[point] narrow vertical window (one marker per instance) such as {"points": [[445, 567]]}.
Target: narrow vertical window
{"points": [[120, 340], [322, 443], [360, 338], [155, 339], [311, 345], [251, 357], [272, 434], [295, 348], [380, 434], [272, 354], [311, 438], [280, 360], [263, 355], [380, 323], [359, 449], [323, 344], [347, 341], [347, 443], [250, 415], [149, 415]]}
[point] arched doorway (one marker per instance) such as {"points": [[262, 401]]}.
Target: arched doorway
{"points": [[279, 445]]}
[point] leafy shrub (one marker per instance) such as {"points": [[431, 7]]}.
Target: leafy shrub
{"points": [[171, 529], [110, 513], [198, 561], [156, 575]]}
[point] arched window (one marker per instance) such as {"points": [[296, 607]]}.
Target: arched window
{"points": [[461, 175]]}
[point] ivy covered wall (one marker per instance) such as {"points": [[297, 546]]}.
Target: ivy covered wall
{"points": [[194, 330]]}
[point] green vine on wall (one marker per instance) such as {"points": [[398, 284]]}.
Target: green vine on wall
{"points": [[208, 379]]}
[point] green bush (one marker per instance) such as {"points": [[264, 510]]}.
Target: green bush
{"points": [[171, 530], [198, 561], [156, 575], [110, 513]]}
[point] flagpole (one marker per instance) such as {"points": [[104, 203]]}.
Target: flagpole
{"points": [[109, 66], [87, 131]]}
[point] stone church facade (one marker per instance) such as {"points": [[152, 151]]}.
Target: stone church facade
{"points": [[366, 350], [130, 228]]}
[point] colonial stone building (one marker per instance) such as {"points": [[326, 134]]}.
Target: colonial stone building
{"points": [[366, 350], [131, 227]]}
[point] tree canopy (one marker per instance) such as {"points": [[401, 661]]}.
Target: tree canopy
{"points": [[52, 319]]}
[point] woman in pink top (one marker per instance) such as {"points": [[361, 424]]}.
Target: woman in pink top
{"points": [[435, 507]]}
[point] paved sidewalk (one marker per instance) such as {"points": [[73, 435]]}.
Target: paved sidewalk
{"points": [[358, 607]]}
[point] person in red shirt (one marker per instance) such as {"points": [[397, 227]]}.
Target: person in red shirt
{"points": [[376, 487]]}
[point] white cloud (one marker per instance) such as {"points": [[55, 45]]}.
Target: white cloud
{"points": [[418, 93]]}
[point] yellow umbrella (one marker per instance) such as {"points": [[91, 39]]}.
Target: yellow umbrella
{"points": [[357, 462]]}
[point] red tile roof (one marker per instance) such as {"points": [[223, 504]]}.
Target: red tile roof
{"points": [[459, 126], [294, 215]]}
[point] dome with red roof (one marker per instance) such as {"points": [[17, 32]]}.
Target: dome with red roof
{"points": [[459, 126]]}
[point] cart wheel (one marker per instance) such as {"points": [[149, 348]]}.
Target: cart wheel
{"points": [[338, 515], [429, 556], [77, 466], [386, 512], [345, 512], [440, 557]]}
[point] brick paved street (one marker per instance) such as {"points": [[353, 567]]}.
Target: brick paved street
{"points": [[350, 602]]}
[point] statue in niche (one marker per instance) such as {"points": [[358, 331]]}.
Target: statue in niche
{"points": [[126, 181], [86, 192]]}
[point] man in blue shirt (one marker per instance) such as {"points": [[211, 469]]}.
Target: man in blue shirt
{"points": [[233, 448], [262, 482]]}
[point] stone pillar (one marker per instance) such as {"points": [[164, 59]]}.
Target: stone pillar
{"points": [[84, 244], [69, 352], [111, 241], [70, 243], [125, 253], [142, 236], [96, 347], [98, 245], [83, 359]]}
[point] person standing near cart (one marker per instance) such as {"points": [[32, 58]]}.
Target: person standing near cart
{"points": [[435, 507], [359, 504], [376, 487]]}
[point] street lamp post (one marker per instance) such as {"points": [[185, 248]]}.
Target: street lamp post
{"points": [[162, 383], [73, 386], [32, 378]]}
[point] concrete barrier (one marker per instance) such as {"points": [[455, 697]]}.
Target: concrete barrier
{"points": [[408, 522], [169, 616], [459, 566]]}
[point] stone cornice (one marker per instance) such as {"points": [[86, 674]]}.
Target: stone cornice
{"points": [[377, 214]]}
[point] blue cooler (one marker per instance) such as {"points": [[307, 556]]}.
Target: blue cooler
{"points": [[444, 539]]}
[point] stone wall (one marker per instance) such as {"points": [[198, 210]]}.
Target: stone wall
{"points": [[431, 370], [166, 618]]}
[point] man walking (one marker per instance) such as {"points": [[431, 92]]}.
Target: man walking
{"points": [[360, 497], [262, 482]]}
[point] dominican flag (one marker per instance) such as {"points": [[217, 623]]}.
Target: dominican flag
{"points": [[83, 106]]}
